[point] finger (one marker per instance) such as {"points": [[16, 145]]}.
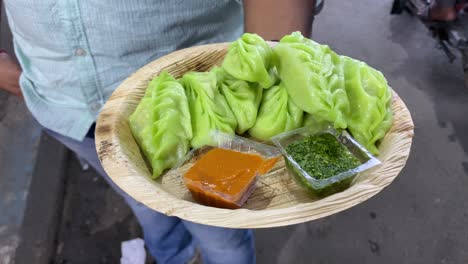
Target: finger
{"points": [[17, 89], [4, 54], [14, 89], [17, 92]]}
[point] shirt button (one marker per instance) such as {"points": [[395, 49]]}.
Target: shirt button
{"points": [[80, 52], [95, 106]]}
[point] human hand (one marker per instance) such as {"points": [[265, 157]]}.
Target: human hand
{"points": [[9, 74]]}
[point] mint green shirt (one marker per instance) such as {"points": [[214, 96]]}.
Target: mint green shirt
{"points": [[75, 53]]}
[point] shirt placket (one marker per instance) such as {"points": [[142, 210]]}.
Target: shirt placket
{"points": [[82, 57]]}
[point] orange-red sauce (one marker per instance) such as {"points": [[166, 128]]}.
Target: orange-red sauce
{"points": [[223, 177]]}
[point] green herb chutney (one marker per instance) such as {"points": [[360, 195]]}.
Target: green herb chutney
{"points": [[322, 156]]}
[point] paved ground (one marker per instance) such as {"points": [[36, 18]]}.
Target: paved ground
{"points": [[421, 218], [94, 220], [19, 136]]}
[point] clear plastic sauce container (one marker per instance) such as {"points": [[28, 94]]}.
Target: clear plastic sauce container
{"points": [[224, 175], [321, 184]]}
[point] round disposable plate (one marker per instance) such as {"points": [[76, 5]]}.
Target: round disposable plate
{"points": [[277, 200]]}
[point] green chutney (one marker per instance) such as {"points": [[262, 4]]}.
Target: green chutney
{"points": [[322, 156]]}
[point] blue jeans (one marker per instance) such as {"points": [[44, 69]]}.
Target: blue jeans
{"points": [[170, 239]]}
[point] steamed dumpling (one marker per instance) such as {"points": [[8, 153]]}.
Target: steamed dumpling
{"points": [[314, 122], [313, 76], [277, 114], [242, 97], [370, 98], [335, 89], [209, 110], [249, 59], [161, 123]]}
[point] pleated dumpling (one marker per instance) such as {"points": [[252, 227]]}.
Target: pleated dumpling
{"points": [[242, 97], [313, 122], [209, 110], [249, 59], [313, 76], [161, 123], [370, 98], [277, 114]]}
